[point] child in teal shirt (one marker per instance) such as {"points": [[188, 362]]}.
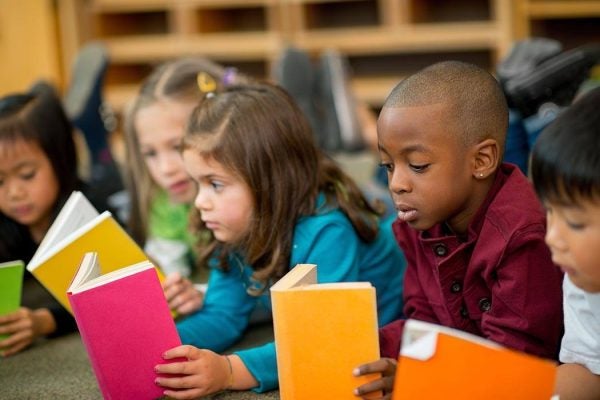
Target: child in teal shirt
{"points": [[268, 200]]}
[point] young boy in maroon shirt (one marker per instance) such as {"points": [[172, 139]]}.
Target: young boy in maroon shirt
{"points": [[471, 227]]}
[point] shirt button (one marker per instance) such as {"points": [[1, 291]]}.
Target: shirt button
{"points": [[463, 312], [485, 304], [440, 249], [456, 287]]}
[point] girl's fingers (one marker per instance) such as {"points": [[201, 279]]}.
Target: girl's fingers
{"points": [[189, 352], [184, 394], [186, 302], [178, 382], [174, 368], [172, 278], [16, 326], [15, 349], [15, 316]]}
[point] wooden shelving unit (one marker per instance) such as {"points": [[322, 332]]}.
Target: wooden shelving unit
{"points": [[572, 22], [384, 40], [378, 37], [141, 33]]}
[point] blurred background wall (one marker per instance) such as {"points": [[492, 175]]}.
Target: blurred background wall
{"points": [[383, 40]]}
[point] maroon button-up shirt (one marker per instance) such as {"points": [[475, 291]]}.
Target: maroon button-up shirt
{"points": [[498, 281]]}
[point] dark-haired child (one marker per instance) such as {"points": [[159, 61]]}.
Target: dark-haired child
{"points": [[471, 227], [38, 172], [565, 169]]}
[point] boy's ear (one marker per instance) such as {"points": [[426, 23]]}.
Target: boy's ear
{"points": [[486, 158]]}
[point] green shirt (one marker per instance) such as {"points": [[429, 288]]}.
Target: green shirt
{"points": [[169, 220]]}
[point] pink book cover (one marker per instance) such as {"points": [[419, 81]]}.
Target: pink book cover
{"points": [[126, 326]]}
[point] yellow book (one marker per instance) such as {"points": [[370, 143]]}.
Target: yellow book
{"points": [[322, 332], [79, 229]]}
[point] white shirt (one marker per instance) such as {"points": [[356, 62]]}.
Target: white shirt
{"points": [[581, 342]]}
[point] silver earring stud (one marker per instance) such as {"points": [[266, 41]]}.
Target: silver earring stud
{"points": [[481, 174]]}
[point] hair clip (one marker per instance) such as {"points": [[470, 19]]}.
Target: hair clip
{"points": [[229, 76], [205, 82]]}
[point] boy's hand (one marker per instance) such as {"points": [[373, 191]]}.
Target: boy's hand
{"points": [[387, 368], [203, 373], [24, 326], [181, 294]]}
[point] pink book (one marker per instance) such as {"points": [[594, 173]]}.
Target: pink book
{"points": [[125, 325]]}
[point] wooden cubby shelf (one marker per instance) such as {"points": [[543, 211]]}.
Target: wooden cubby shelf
{"points": [[379, 37]]}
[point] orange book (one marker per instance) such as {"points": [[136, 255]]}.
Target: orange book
{"points": [[322, 332], [438, 362]]}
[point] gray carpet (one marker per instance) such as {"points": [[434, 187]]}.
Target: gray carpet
{"points": [[59, 369]]}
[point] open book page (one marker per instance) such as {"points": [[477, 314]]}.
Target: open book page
{"points": [[89, 268], [416, 331], [335, 286], [301, 274], [88, 276], [62, 242], [304, 277], [76, 212]]}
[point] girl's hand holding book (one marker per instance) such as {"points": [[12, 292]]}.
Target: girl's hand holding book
{"points": [[23, 327], [182, 296], [204, 372]]}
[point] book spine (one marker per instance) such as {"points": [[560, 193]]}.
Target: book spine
{"points": [[87, 343]]}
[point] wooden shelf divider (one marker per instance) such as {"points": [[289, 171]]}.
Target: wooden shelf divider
{"points": [[144, 32]]}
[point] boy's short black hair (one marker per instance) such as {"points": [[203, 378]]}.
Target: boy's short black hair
{"points": [[565, 164], [475, 96]]}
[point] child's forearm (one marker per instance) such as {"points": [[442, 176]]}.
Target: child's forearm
{"points": [[575, 382], [242, 378]]}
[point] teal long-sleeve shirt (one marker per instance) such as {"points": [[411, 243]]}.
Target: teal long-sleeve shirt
{"points": [[326, 239]]}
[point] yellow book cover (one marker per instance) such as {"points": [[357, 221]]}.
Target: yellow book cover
{"points": [[322, 332], [438, 362], [79, 229]]}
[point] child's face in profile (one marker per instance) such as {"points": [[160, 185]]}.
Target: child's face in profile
{"points": [[28, 185], [573, 235], [429, 169], [225, 201], [160, 127]]}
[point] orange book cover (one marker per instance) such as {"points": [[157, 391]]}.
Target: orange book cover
{"points": [[322, 332], [437, 362]]}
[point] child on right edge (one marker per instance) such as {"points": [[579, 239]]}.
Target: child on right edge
{"points": [[566, 173], [471, 227]]}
